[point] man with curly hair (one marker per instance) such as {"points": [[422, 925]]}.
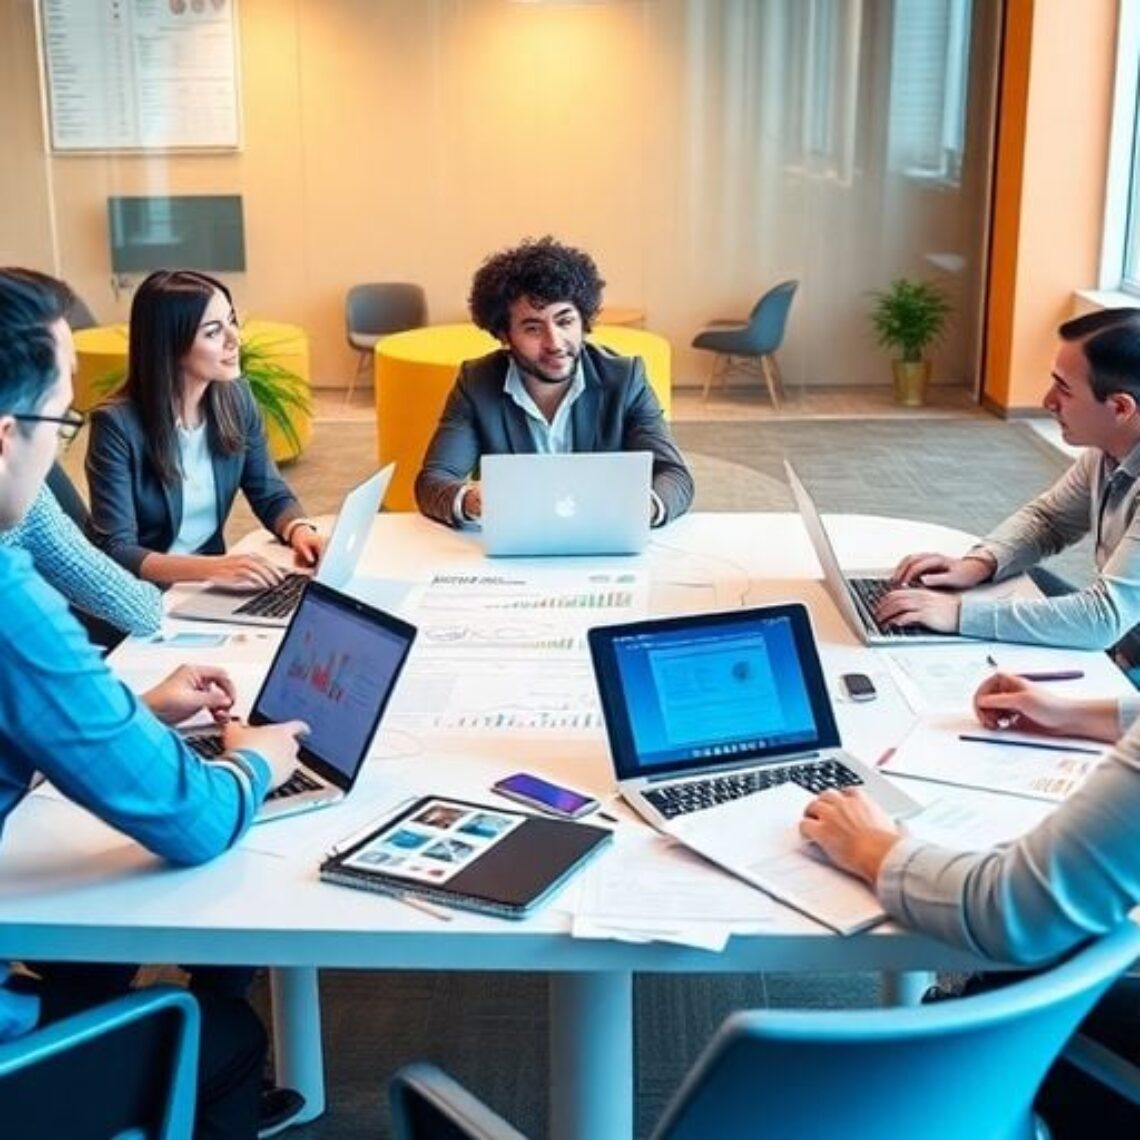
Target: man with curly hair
{"points": [[546, 389]]}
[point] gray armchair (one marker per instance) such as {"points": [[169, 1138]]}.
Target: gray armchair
{"points": [[375, 310], [750, 346]]}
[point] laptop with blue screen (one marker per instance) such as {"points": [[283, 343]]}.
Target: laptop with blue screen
{"points": [[706, 711], [336, 669]]}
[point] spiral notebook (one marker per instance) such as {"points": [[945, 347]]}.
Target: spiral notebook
{"points": [[472, 856]]}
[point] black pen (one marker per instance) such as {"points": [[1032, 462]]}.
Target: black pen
{"points": [[1042, 746]]}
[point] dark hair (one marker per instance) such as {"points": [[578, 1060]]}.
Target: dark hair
{"points": [[1110, 340], [545, 272], [165, 314], [30, 303]]}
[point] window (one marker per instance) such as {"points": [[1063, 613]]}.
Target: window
{"points": [[1120, 253]]}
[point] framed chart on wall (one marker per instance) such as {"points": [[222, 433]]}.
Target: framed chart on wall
{"points": [[140, 74]]}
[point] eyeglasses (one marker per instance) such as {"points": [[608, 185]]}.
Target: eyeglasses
{"points": [[69, 423]]}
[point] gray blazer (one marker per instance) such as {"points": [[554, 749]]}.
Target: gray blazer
{"points": [[617, 412], [133, 513]]}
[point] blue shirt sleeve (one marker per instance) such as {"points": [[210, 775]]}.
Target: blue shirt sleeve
{"points": [[63, 713]]}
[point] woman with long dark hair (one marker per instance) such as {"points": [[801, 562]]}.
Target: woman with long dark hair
{"points": [[168, 455]]}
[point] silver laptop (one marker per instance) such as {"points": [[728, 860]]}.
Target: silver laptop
{"points": [[857, 595], [335, 669], [707, 708], [274, 605], [580, 503]]}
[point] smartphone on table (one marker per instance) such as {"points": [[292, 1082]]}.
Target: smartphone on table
{"points": [[545, 796]]}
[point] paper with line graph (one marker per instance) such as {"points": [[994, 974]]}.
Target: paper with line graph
{"points": [[505, 650]]}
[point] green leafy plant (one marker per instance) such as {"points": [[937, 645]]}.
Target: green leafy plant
{"points": [[282, 395], [910, 316]]}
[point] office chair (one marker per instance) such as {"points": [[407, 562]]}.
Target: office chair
{"points": [[376, 309], [750, 346], [127, 1068], [957, 1070], [78, 315]]}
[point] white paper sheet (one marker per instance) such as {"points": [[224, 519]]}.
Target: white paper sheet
{"points": [[758, 838], [1047, 768]]}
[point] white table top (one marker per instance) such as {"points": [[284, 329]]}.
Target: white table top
{"points": [[72, 888]]}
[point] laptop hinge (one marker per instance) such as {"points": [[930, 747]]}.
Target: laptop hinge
{"points": [[720, 768]]}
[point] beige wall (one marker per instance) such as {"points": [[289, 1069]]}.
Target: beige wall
{"points": [[1053, 149], [405, 139]]}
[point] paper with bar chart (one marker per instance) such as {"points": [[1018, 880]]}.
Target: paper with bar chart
{"points": [[506, 650]]}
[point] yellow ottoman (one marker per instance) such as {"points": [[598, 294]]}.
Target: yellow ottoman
{"points": [[414, 372]]}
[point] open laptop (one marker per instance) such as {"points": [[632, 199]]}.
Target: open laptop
{"points": [[335, 669], [708, 713], [578, 503], [857, 594], [274, 605]]}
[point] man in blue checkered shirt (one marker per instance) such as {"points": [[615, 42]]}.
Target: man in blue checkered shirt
{"points": [[64, 714]]}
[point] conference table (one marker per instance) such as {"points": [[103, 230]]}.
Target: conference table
{"points": [[71, 888]]}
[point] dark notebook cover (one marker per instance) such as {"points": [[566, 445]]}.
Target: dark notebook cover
{"points": [[507, 874]]}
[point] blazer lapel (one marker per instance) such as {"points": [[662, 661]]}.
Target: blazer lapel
{"points": [[514, 424], [172, 495], [584, 413]]}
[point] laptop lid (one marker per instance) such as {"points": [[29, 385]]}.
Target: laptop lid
{"points": [[338, 564], [576, 503], [350, 531], [825, 552], [335, 669], [702, 692]]}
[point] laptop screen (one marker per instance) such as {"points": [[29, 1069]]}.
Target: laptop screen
{"points": [[335, 670], [705, 689]]}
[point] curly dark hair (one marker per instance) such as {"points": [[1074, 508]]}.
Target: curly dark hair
{"points": [[545, 272]]}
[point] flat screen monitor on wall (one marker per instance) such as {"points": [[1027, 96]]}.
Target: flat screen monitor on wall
{"points": [[190, 231]]}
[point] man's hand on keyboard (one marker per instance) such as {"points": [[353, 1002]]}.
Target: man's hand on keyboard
{"points": [[189, 690], [243, 571], [276, 743], [927, 608], [940, 571]]}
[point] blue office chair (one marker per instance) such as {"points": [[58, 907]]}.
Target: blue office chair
{"points": [[750, 346], [128, 1068], [957, 1070], [377, 309]]}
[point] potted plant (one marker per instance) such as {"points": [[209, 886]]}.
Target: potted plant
{"points": [[282, 394], [910, 316]]}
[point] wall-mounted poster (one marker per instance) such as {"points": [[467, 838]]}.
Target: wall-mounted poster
{"points": [[141, 74]]}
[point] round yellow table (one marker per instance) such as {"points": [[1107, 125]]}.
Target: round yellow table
{"points": [[101, 368], [414, 372]]}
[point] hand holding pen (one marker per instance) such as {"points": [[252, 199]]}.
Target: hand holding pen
{"points": [[1008, 700]]}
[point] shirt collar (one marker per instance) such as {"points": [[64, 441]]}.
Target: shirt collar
{"points": [[514, 387]]}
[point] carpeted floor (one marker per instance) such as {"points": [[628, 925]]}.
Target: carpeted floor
{"points": [[490, 1030]]}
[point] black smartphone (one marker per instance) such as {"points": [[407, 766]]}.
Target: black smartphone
{"points": [[545, 796], [858, 686]]}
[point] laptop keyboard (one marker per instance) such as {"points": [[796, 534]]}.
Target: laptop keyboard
{"points": [[870, 592], [696, 795], [210, 746], [300, 781], [278, 601]]}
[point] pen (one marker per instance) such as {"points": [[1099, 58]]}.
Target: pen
{"points": [[884, 758], [1043, 747], [1042, 675], [421, 904], [608, 818]]}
